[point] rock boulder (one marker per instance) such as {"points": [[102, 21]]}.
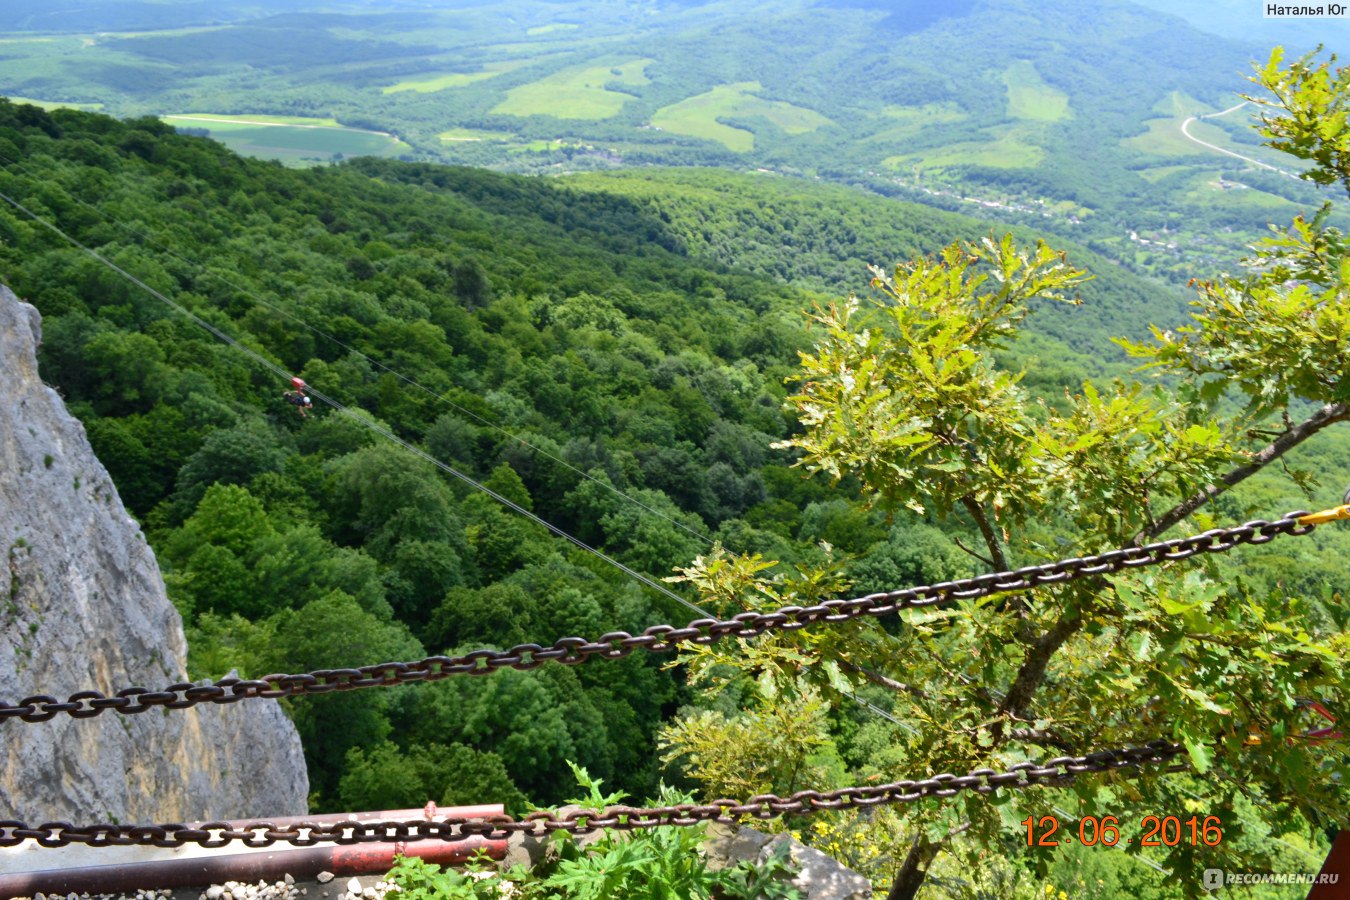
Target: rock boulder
{"points": [[83, 606]]}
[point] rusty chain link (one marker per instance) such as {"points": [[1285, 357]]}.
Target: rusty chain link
{"points": [[1052, 772], [658, 638]]}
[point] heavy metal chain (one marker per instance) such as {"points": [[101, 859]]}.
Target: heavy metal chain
{"points": [[663, 638], [1053, 772]]}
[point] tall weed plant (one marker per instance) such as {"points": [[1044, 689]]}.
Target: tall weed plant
{"points": [[659, 863]]}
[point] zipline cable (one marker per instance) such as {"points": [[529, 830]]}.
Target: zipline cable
{"points": [[505, 501], [369, 423], [439, 398], [881, 713]]}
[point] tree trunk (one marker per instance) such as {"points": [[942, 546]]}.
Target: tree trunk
{"points": [[913, 870]]}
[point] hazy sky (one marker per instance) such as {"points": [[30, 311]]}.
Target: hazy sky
{"points": [[1245, 20]]}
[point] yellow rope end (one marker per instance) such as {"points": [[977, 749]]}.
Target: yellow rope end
{"points": [[1326, 515]]}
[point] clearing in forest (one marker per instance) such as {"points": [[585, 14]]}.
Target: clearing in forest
{"points": [[1008, 147], [551, 28], [294, 140], [579, 92], [1164, 136], [1030, 98], [456, 79], [700, 116], [225, 122], [471, 135]]}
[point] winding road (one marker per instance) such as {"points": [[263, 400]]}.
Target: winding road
{"points": [[1185, 129]]}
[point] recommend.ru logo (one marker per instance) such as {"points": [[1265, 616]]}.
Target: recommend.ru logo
{"points": [[1213, 879]]}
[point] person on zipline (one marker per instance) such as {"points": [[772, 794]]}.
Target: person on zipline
{"points": [[298, 399]]}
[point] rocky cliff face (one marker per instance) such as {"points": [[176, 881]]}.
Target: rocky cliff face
{"points": [[82, 606]]}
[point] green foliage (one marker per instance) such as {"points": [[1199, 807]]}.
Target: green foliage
{"points": [[903, 397], [734, 754], [660, 863], [419, 880], [914, 393], [918, 554], [228, 456], [766, 880], [387, 776], [1276, 333], [1306, 116]]}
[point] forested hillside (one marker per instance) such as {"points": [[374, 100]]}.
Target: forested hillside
{"points": [[292, 544], [823, 237], [1061, 115], [600, 351]]}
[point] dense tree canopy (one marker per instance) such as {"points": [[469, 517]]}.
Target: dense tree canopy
{"points": [[901, 392], [620, 372]]}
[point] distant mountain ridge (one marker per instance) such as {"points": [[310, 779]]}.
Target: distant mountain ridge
{"points": [[1245, 21], [1009, 101]]}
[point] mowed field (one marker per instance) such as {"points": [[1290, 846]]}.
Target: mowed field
{"points": [[577, 92], [1030, 98], [472, 135], [1008, 147], [293, 140], [456, 79], [700, 116]]}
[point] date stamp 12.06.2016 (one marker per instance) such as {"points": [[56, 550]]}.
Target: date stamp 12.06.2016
{"points": [[1108, 831]]}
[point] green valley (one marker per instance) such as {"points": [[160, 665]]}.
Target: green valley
{"points": [[608, 351], [888, 98], [616, 313], [295, 140]]}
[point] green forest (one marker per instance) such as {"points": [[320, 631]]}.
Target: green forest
{"points": [[616, 353], [1066, 118], [563, 352]]}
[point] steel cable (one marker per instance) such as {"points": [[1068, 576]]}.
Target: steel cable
{"points": [[366, 422]]}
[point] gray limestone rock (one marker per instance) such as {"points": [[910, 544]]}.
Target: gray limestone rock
{"points": [[82, 606], [820, 877]]}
